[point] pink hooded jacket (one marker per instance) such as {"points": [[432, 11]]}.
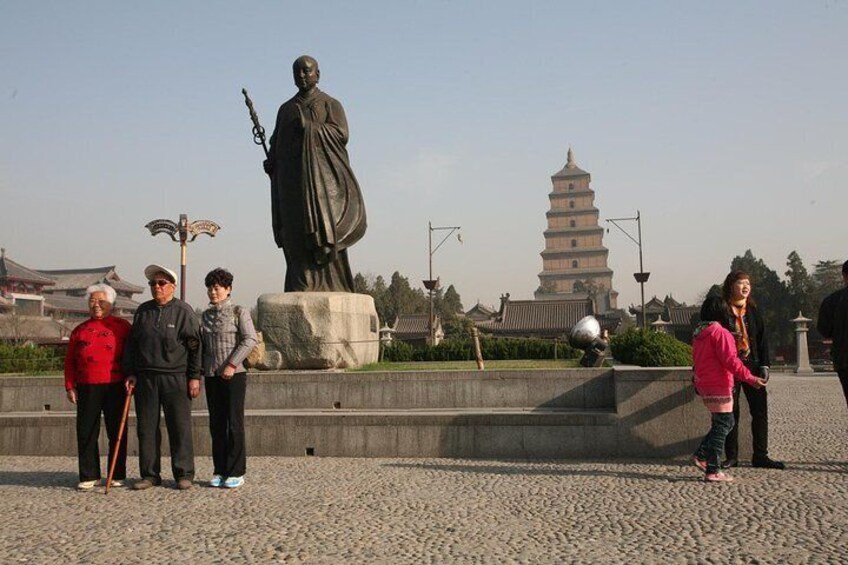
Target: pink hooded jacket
{"points": [[717, 362]]}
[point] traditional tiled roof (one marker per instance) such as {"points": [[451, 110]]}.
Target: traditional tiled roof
{"points": [[12, 270], [655, 304], [538, 317], [480, 311], [80, 279], [682, 315], [414, 326], [79, 304], [670, 301], [124, 286]]}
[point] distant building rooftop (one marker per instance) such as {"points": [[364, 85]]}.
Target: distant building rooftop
{"points": [[10, 270], [570, 169], [543, 318], [80, 279]]}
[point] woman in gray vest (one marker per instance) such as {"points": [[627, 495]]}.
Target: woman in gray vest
{"points": [[228, 338]]}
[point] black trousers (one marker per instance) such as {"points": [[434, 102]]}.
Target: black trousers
{"points": [[170, 393], [92, 400], [758, 403], [843, 378], [225, 399]]}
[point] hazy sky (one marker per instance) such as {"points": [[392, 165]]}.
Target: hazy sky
{"points": [[725, 123]]}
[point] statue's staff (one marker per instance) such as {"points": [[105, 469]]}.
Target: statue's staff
{"points": [[258, 130]]}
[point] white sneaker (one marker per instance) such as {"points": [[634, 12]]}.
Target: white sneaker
{"points": [[233, 482], [86, 485], [216, 481]]}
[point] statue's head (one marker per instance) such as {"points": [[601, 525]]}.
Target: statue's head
{"points": [[306, 73]]}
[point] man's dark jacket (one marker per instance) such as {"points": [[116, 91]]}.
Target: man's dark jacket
{"points": [[164, 340], [833, 324]]}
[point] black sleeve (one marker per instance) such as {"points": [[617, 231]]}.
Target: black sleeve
{"points": [[825, 321], [130, 348], [762, 341], [191, 339]]}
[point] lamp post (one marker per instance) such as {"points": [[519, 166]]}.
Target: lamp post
{"points": [[184, 233], [433, 284], [641, 277]]}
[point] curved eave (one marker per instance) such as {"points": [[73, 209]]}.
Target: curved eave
{"points": [[570, 193], [553, 253], [566, 173], [574, 231], [574, 273], [572, 212]]}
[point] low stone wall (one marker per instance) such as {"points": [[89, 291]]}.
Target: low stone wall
{"points": [[570, 413]]}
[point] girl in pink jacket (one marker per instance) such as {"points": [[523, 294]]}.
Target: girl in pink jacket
{"points": [[717, 365]]}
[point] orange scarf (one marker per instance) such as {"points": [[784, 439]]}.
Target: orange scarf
{"points": [[743, 344]]}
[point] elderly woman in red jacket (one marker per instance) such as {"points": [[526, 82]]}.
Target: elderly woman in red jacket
{"points": [[717, 368], [95, 383]]}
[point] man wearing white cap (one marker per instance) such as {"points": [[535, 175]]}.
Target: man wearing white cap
{"points": [[162, 361]]}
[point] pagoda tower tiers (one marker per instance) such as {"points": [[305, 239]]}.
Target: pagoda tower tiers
{"points": [[574, 262]]}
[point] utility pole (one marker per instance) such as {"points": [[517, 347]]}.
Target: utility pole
{"points": [[641, 277], [433, 284]]}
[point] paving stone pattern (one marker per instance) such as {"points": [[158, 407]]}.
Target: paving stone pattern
{"points": [[317, 510]]}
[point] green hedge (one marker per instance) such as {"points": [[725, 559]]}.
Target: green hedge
{"points": [[492, 348], [650, 349], [29, 359]]}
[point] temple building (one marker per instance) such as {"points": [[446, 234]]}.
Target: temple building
{"points": [[43, 306], [66, 297], [574, 262]]}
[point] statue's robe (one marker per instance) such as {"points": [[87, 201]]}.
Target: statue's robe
{"points": [[316, 205]]}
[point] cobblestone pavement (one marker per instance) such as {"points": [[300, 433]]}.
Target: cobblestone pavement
{"points": [[319, 510]]}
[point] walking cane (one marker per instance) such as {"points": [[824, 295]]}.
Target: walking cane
{"points": [[117, 449]]}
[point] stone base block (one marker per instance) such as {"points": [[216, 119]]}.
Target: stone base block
{"points": [[318, 330]]}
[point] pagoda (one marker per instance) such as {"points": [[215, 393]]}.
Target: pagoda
{"points": [[574, 262]]}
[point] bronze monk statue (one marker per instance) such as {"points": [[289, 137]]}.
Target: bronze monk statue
{"points": [[316, 205]]}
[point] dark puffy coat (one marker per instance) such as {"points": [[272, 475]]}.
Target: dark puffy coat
{"points": [[833, 324]]}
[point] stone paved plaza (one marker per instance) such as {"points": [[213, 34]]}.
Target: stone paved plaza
{"points": [[317, 510]]}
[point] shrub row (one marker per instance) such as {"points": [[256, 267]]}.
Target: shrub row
{"points": [[650, 349], [492, 348], [28, 359]]}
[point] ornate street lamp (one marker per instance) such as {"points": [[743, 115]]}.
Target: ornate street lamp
{"points": [[433, 284], [641, 277], [183, 232]]}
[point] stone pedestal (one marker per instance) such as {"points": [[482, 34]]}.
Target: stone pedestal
{"points": [[318, 330]]}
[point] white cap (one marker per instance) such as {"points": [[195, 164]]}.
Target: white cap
{"points": [[151, 270]]}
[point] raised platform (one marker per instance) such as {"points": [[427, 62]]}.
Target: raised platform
{"points": [[574, 413]]}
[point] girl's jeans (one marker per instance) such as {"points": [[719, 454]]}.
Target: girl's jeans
{"points": [[713, 443]]}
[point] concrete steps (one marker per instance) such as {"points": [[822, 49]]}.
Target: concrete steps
{"points": [[500, 432], [531, 414]]}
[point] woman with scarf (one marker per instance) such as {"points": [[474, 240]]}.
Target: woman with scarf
{"points": [[746, 324], [228, 338]]}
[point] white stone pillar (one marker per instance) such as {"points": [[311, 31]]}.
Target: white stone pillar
{"points": [[802, 353]]}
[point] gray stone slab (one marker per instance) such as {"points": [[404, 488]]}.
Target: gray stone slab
{"points": [[499, 441], [553, 442], [500, 392]]}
